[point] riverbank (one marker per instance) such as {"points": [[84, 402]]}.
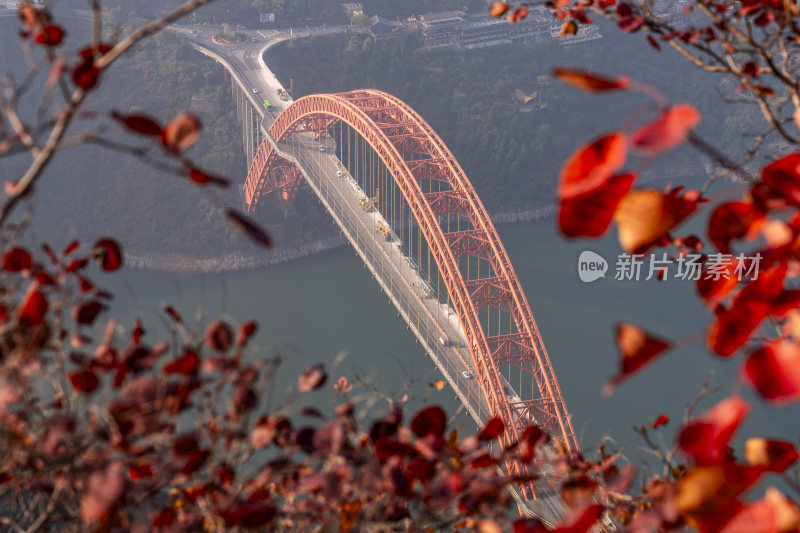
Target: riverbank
{"points": [[231, 263]]}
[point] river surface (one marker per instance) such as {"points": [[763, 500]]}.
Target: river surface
{"points": [[321, 307]]}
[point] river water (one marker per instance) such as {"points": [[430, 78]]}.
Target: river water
{"points": [[327, 305]]}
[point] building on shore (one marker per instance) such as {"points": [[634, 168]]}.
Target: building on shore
{"points": [[454, 29], [381, 29]]}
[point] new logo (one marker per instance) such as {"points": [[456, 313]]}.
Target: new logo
{"points": [[591, 266]]}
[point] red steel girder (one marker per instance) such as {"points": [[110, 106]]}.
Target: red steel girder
{"points": [[429, 169], [472, 242], [489, 291], [510, 349], [444, 202], [361, 110], [408, 143]]}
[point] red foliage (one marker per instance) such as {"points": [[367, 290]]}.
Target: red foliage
{"points": [[312, 378], [141, 124], [590, 82], [85, 381], [493, 428], [50, 35], [249, 228], [429, 421], [219, 336], [667, 131], [188, 364], [181, 133], [637, 348], [33, 308], [706, 439], [590, 213], [16, 260], [774, 371], [592, 165], [108, 253]]}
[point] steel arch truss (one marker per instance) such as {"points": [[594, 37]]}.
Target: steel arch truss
{"points": [[393, 129]]}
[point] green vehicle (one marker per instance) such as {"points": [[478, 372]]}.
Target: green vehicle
{"points": [[267, 105]]}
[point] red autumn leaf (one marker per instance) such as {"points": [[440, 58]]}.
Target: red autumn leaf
{"points": [[706, 438], [570, 27], [667, 131], [498, 9], [50, 35], [16, 260], [493, 428], [141, 124], [630, 24], [707, 496], [203, 178], [164, 518], [85, 381], [637, 348], [773, 514], [247, 330], [589, 214], [219, 336], [517, 15], [138, 331], [774, 371], [662, 420], [732, 327], [173, 314], [250, 515], [590, 82], [187, 364], [86, 312], [429, 421], [249, 228], [30, 17], [580, 520], [592, 165], [181, 133], [386, 447], [782, 177], [484, 460], [653, 43], [312, 378], [86, 75], [71, 248], [33, 308], [108, 254], [714, 291], [140, 471], [645, 217], [531, 438], [76, 264], [734, 220], [751, 69], [772, 455]]}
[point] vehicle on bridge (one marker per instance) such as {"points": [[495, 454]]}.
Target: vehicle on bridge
{"points": [[267, 105], [466, 374], [255, 91], [283, 94], [386, 232]]}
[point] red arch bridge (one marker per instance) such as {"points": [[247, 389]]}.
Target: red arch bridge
{"points": [[405, 204]]}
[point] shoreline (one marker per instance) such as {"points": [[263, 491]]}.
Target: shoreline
{"points": [[223, 263]]}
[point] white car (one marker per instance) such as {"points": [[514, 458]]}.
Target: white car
{"points": [[322, 149], [339, 173], [255, 91], [466, 374]]}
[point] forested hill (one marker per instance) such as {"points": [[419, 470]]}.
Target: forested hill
{"points": [[290, 12]]}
